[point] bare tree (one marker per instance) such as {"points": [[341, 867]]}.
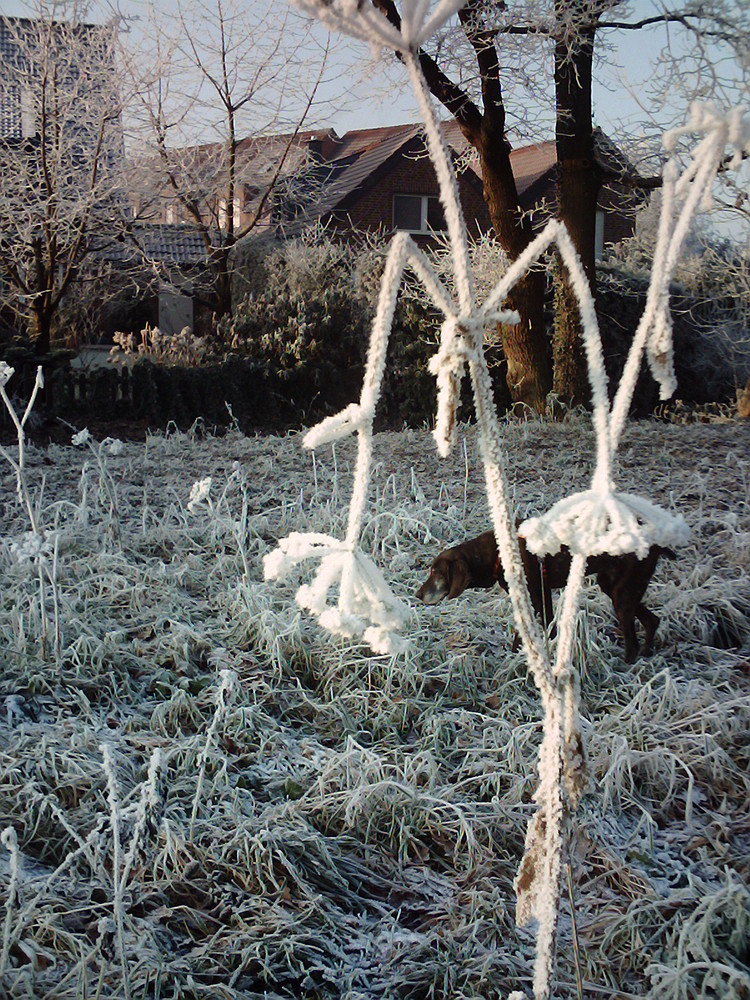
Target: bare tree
{"points": [[60, 153], [213, 109], [503, 58]]}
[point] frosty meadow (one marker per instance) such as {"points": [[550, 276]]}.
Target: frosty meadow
{"points": [[208, 794], [297, 817]]}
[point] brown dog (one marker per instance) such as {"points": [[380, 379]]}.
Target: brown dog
{"points": [[624, 579]]}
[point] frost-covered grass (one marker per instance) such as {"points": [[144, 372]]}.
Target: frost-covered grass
{"points": [[207, 788]]}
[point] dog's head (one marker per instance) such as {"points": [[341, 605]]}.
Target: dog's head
{"points": [[449, 577]]}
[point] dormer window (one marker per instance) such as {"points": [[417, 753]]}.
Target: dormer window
{"points": [[418, 213]]}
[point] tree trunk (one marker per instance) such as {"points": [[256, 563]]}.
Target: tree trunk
{"points": [[525, 346], [222, 281], [42, 330], [529, 374], [578, 184]]}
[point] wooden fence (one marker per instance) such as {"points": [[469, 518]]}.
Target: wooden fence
{"points": [[251, 394]]}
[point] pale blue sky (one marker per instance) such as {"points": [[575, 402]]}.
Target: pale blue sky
{"points": [[361, 93], [373, 94]]}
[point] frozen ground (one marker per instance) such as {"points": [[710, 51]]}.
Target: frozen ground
{"points": [[320, 822]]}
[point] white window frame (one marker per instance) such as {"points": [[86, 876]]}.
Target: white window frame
{"points": [[425, 229]]}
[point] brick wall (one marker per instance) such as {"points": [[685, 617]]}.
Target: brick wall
{"points": [[619, 214], [372, 209]]}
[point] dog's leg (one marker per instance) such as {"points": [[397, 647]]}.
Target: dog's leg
{"points": [[540, 591], [626, 619], [650, 623], [618, 590], [625, 613]]}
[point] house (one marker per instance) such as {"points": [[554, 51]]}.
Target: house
{"points": [[61, 151], [59, 74], [381, 180], [293, 181]]}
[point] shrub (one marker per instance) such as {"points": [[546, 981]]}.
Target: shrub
{"points": [[308, 323], [710, 304]]}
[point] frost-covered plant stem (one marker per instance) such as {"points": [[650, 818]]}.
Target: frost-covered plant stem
{"points": [[42, 607], [670, 237], [114, 819], [504, 527], [106, 484], [19, 466], [449, 194], [223, 694], [238, 528], [148, 801], [10, 842], [549, 796]]}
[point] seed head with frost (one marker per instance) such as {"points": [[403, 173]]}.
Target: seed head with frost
{"points": [[360, 19], [32, 547], [82, 437], [198, 493], [593, 522], [366, 606], [114, 446]]}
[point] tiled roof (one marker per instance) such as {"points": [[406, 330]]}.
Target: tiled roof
{"points": [[356, 157], [10, 104], [162, 243], [361, 140], [366, 156], [12, 31], [372, 147], [341, 166], [530, 164]]}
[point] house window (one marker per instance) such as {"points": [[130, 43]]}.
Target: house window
{"points": [[418, 213], [599, 235]]}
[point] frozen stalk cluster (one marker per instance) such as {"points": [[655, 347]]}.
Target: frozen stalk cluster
{"points": [[19, 465], [600, 519]]}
